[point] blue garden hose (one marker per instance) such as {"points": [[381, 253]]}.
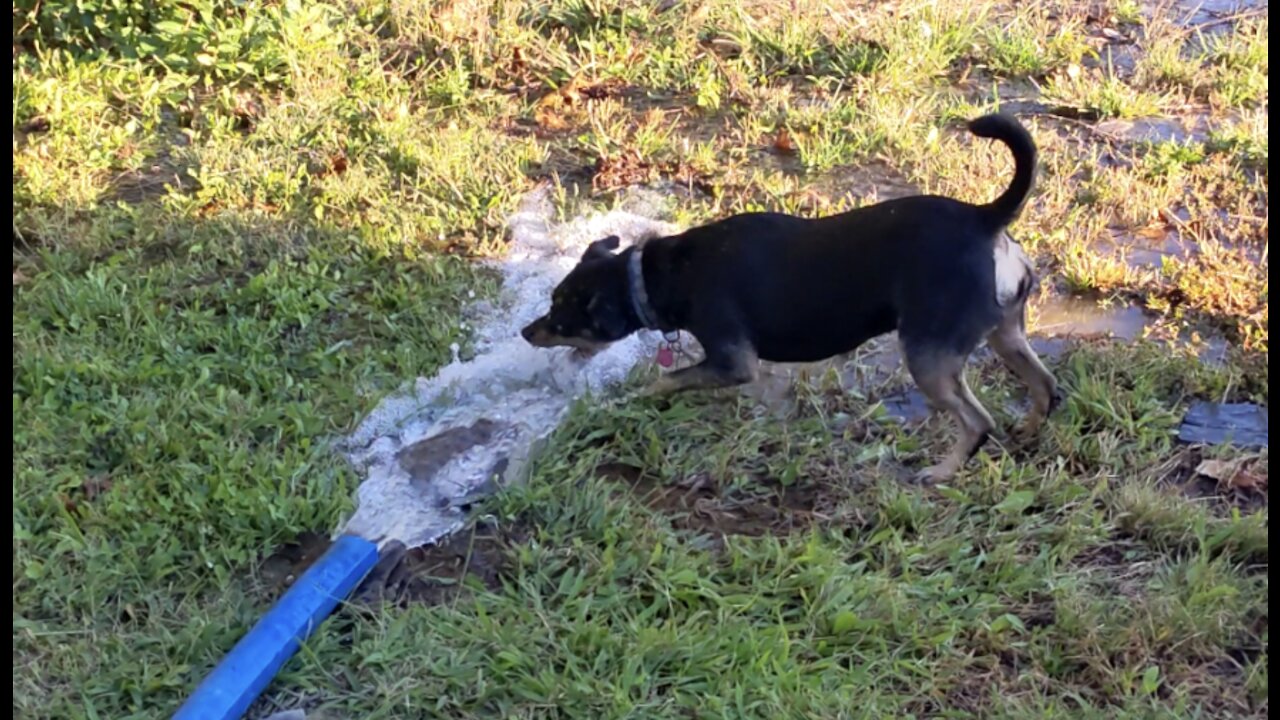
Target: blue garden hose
{"points": [[246, 671]]}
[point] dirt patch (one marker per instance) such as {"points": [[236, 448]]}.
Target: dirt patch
{"points": [[433, 575], [475, 558], [566, 108], [283, 567], [700, 504], [624, 169], [1220, 686], [1123, 565], [629, 168], [870, 182], [135, 187]]}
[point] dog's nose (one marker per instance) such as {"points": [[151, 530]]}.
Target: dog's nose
{"points": [[527, 331]]}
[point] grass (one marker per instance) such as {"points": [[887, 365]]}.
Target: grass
{"points": [[235, 232]]}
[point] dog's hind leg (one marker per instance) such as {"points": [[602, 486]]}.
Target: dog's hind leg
{"points": [[940, 376], [1009, 341]]}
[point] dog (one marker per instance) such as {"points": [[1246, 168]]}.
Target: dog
{"points": [[943, 273]]}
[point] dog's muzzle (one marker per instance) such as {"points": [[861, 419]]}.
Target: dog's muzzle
{"points": [[535, 333]]}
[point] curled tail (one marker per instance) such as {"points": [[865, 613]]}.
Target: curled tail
{"points": [[1005, 209]]}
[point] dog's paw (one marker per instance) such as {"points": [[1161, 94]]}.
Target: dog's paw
{"points": [[661, 387], [1025, 433], [1056, 399], [933, 475]]}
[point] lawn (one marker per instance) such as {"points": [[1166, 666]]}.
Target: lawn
{"points": [[239, 224]]}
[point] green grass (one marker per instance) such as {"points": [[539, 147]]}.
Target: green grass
{"points": [[1034, 44], [235, 232], [1101, 94]]}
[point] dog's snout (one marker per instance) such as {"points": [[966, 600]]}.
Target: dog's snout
{"points": [[533, 330]]}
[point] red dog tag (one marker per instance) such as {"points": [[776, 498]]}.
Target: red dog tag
{"points": [[666, 357]]}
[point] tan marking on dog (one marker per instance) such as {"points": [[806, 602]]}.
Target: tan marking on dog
{"points": [[1012, 269]]}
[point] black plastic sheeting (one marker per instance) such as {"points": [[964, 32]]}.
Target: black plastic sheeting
{"points": [[1243, 425], [906, 406]]}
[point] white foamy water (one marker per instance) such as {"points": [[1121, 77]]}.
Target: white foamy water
{"points": [[522, 392]]}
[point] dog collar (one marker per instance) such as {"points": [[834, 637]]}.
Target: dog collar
{"points": [[639, 296]]}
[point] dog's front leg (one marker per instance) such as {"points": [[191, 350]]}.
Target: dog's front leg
{"points": [[722, 368]]}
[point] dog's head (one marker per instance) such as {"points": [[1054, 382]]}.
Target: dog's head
{"points": [[589, 307]]}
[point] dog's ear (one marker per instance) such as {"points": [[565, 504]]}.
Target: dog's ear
{"points": [[602, 248]]}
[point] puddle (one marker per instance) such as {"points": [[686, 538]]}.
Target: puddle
{"points": [[1193, 129], [1120, 58], [908, 406], [428, 453], [868, 183], [775, 387], [1191, 13], [1057, 322], [874, 366], [1149, 251], [1062, 316]]}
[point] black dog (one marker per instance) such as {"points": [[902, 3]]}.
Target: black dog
{"points": [[941, 272]]}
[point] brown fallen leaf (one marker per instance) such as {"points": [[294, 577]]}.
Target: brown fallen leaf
{"points": [[1241, 473], [246, 110], [549, 120], [784, 143], [95, 485], [1250, 479], [90, 489], [19, 278], [724, 47], [335, 165], [1155, 230]]}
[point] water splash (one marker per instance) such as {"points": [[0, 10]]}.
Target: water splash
{"points": [[428, 453]]}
